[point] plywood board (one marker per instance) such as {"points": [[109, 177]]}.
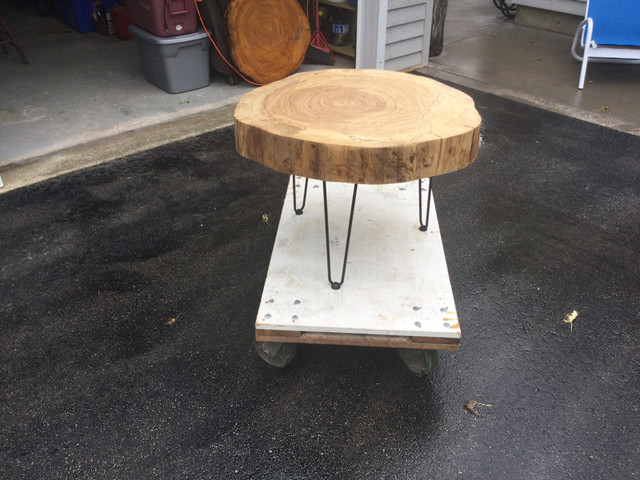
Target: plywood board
{"points": [[396, 282]]}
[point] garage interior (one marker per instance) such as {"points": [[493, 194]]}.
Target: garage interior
{"points": [[82, 97]]}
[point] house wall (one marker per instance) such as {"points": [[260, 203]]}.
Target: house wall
{"points": [[393, 34], [572, 7]]}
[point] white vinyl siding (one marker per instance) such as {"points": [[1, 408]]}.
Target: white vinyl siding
{"points": [[393, 34]]}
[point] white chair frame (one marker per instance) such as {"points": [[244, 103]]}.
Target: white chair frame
{"points": [[592, 52]]}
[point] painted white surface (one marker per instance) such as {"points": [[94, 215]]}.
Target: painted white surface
{"points": [[572, 7], [371, 34], [393, 34], [396, 280]]}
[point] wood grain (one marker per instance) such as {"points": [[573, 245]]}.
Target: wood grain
{"points": [[268, 38], [358, 126], [385, 341]]}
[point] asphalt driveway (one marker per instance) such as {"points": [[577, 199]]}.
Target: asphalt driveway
{"points": [[128, 293]]}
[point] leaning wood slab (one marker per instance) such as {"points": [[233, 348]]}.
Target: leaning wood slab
{"points": [[358, 126], [269, 38]]}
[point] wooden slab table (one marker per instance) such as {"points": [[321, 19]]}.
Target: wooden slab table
{"points": [[378, 131]]}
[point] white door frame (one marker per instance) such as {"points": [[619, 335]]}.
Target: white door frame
{"points": [[371, 33]]}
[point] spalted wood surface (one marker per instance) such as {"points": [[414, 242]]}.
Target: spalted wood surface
{"points": [[358, 126], [268, 38]]}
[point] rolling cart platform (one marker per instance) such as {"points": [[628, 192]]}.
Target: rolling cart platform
{"points": [[353, 261]]}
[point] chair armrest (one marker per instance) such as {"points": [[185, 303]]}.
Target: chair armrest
{"points": [[588, 24]]}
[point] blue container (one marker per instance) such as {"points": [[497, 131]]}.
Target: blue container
{"points": [[77, 13]]}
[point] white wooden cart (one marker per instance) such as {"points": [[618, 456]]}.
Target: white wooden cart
{"points": [[358, 261]]}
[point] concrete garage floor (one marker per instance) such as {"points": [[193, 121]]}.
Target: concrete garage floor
{"points": [[83, 100]]}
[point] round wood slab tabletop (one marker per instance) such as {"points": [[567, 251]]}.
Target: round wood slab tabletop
{"points": [[358, 126]]}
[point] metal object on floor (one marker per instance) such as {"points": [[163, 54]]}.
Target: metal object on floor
{"points": [[318, 46], [10, 41], [507, 9]]}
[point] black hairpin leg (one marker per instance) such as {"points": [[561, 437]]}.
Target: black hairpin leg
{"points": [[304, 197], [424, 226], [337, 285]]}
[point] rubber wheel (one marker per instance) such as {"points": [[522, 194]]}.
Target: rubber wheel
{"points": [[276, 354], [232, 80], [420, 362]]}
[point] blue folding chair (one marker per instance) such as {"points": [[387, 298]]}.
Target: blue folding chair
{"points": [[610, 32]]}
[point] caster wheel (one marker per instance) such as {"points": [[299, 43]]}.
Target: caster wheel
{"points": [[232, 80], [420, 362], [276, 354]]}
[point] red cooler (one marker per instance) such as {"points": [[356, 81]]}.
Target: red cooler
{"points": [[164, 18]]}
